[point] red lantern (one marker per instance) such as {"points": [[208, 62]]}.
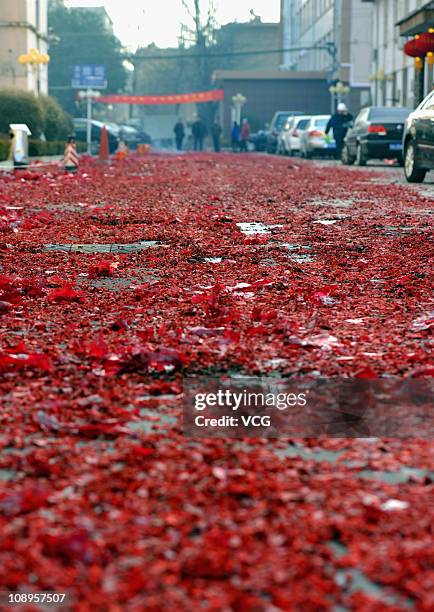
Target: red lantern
{"points": [[410, 48], [425, 43]]}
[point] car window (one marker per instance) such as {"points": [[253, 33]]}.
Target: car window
{"points": [[302, 124], [362, 116], [280, 121], [321, 123], [389, 115], [428, 103]]}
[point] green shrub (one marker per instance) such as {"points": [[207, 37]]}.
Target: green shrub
{"points": [[4, 149], [42, 114], [57, 125], [20, 107]]}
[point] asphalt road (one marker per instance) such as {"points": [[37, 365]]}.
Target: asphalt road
{"points": [[389, 174]]}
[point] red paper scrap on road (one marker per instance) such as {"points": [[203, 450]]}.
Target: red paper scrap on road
{"points": [[101, 496]]}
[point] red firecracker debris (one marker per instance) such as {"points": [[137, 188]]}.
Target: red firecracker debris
{"points": [[117, 283]]}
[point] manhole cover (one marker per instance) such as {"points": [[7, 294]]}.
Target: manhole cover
{"points": [[134, 247]]}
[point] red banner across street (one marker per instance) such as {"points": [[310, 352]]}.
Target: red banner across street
{"points": [[202, 96]]}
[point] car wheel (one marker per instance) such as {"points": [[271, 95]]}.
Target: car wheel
{"points": [[361, 158], [413, 174], [346, 158]]}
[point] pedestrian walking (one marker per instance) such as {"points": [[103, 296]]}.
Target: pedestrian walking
{"points": [[199, 131], [235, 137], [217, 135], [245, 135], [179, 130], [339, 122]]}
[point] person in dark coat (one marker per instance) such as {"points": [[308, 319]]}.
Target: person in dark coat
{"points": [[245, 135], [339, 123], [179, 134], [216, 135], [199, 131], [235, 136]]}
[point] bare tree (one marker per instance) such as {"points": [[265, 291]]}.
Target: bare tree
{"points": [[199, 36]]}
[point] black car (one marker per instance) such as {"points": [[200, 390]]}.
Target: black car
{"points": [[80, 131], [418, 141], [277, 124], [259, 139], [376, 134]]}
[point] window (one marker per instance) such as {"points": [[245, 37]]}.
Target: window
{"points": [[320, 123], [389, 114], [404, 86], [385, 21], [428, 103], [302, 124], [361, 117]]}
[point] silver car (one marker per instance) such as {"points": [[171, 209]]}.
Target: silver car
{"points": [[290, 137], [314, 140]]}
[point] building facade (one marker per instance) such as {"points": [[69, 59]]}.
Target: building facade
{"points": [[244, 38], [23, 26], [393, 73], [340, 32], [269, 91]]}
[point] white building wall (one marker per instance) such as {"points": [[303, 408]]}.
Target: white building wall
{"points": [[392, 72], [360, 44], [23, 25], [309, 22]]}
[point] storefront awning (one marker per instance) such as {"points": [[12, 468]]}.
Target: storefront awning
{"points": [[418, 21]]}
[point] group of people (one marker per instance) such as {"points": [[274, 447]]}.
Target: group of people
{"points": [[239, 137], [199, 132], [240, 134]]}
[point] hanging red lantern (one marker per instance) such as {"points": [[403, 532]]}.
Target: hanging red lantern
{"points": [[425, 43], [410, 48]]}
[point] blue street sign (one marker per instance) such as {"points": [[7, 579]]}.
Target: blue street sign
{"points": [[88, 76]]}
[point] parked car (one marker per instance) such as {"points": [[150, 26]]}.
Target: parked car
{"points": [[418, 141], [137, 124], [313, 139], [259, 139], [376, 134], [80, 131], [289, 138], [130, 135], [277, 124]]}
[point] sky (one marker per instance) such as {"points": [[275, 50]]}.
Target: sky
{"points": [[141, 22]]}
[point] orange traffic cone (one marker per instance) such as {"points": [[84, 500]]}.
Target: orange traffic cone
{"points": [[104, 147], [70, 158]]}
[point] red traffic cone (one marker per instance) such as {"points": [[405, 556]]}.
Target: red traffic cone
{"points": [[104, 153], [70, 158]]}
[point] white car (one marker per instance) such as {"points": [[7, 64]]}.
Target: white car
{"points": [[314, 140], [291, 135]]}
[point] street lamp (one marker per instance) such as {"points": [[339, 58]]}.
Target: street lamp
{"points": [[35, 59], [238, 101], [338, 91], [90, 96]]}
